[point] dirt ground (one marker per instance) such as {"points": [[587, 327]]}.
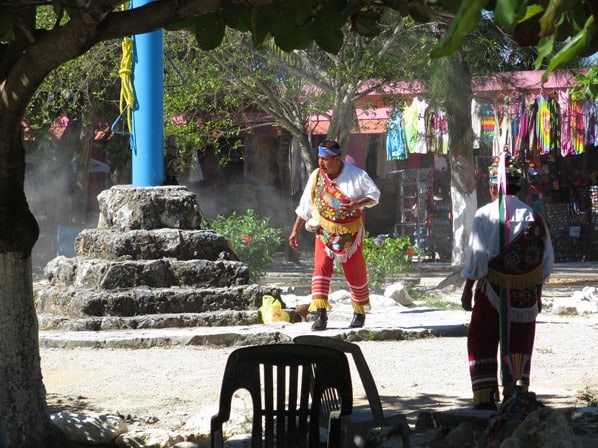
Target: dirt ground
{"points": [[164, 387]]}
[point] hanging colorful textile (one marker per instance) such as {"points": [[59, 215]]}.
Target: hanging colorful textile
{"points": [[577, 127], [506, 132], [516, 114], [564, 102], [441, 131], [431, 142], [555, 126], [476, 123], [396, 148], [497, 143], [523, 127], [543, 125], [590, 122], [415, 126], [436, 131], [531, 105], [487, 123]]}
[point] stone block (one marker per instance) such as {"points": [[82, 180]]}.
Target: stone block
{"points": [[78, 302], [152, 245], [124, 207], [87, 272]]}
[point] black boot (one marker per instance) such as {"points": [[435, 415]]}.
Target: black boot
{"points": [[321, 320], [358, 320]]}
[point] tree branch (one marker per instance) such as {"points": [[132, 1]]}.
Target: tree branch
{"points": [[161, 13]]}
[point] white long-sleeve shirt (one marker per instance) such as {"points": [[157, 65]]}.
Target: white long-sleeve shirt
{"points": [[484, 240], [352, 181], [484, 244]]}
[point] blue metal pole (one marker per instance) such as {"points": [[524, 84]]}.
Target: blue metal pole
{"points": [[147, 138]]}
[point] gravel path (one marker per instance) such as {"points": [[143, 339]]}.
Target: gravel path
{"points": [[163, 388]]}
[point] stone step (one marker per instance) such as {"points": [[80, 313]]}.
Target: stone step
{"points": [[84, 272], [222, 318], [80, 302], [153, 244]]}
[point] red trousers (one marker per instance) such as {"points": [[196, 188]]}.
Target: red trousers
{"points": [[482, 346], [355, 274]]}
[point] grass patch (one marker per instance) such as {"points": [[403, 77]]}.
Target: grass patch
{"points": [[432, 300], [568, 313], [589, 396], [369, 335], [545, 351]]}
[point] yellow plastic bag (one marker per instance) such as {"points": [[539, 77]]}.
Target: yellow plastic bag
{"points": [[272, 311]]}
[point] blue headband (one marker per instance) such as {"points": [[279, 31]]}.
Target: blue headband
{"points": [[328, 152]]}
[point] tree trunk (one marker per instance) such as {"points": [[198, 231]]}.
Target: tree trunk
{"points": [[22, 397], [307, 153], [455, 73], [24, 417], [80, 195], [342, 121]]}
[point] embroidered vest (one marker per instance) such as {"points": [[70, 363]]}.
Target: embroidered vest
{"points": [[339, 231], [519, 266]]}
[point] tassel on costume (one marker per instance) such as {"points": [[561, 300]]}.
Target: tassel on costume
{"points": [[319, 304]]}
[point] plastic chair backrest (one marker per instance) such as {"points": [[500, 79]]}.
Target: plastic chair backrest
{"points": [[365, 374], [286, 383], [379, 419]]}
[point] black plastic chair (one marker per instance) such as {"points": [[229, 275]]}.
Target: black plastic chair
{"points": [[286, 383], [358, 425]]}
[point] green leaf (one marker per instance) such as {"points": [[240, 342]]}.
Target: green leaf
{"points": [[544, 47], [303, 11], [238, 18], [420, 12], [6, 25], [531, 11], [551, 16], [353, 6], [572, 48], [508, 12], [252, 238], [187, 24], [331, 42], [283, 22], [293, 41], [591, 47], [366, 23], [450, 5], [402, 6], [464, 23], [261, 20], [209, 31], [332, 14], [526, 31]]}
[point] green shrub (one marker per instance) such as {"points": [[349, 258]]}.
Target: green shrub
{"points": [[589, 396], [252, 239], [385, 258]]}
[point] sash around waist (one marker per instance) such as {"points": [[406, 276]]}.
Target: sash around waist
{"points": [[516, 281], [346, 227]]}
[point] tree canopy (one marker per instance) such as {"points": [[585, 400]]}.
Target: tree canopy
{"points": [[296, 24]]}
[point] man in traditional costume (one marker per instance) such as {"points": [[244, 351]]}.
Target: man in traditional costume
{"points": [[332, 206], [510, 255]]}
